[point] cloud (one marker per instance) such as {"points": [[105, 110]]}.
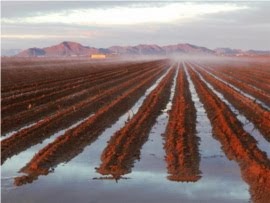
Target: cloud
{"points": [[119, 15], [20, 9], [39, 36], [103, 24]]}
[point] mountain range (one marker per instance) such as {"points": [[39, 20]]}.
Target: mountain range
{"points": [[67, 48]]}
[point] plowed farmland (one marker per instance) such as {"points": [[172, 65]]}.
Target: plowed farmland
{"points": [[136, 131]]}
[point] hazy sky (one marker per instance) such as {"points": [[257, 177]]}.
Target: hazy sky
{"points": [[235, 24]]}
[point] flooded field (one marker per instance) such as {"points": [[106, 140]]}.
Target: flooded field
{"points": [[180, 130]]}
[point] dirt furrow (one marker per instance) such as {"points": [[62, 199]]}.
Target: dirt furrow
{"points": [[124, 146], [49, 88], [24, 118], [32, 101], [55, 80], [63, 119], [35, 101], [246, 78], [181, 142], [236, 143], [253, 111], [261, 95], [25, 96], [72, 143], [70, 74]]}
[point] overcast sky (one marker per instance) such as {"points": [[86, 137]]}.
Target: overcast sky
{"points": [[235, 24]]}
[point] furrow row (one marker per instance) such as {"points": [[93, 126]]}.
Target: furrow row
{"points": [[181, 142], [69, 145], [236, 143], [24, 118], [253, 111], [62, 119]]}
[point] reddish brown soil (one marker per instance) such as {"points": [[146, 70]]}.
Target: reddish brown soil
{"points": [[253, 111], [236, 143], [249, 74], [67, 146], [246, 74], [16, 104], [23, 76], [261, 95], [19, 102], [124, 146], [52, 107], [24, 94], [109, 90], [66, 117], [19, 75], [181, 146]]}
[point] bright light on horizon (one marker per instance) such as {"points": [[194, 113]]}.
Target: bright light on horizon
{"points": [[168, 13]]}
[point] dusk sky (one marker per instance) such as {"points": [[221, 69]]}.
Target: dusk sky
{"points": [[235, 24]]}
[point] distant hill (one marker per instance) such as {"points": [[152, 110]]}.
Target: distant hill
{"points": [[143, 49], [239, 52], [32, 52], [258, 52], [187, 49], [228, 51], [75, 49], [62, 49]]}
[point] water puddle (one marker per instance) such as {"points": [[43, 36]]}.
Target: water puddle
{"points": [[152, 152], [214, 164], [12, 165], [248, 126], [236, 88]]}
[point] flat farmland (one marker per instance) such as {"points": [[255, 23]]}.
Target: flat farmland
{"points": [[163, 130]]}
